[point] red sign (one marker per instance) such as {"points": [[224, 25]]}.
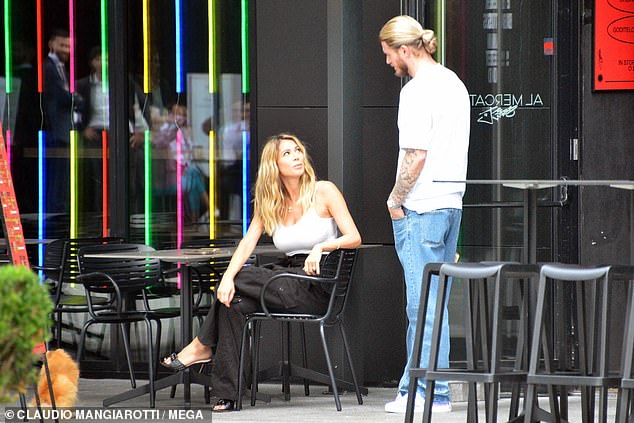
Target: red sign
{"points": [[614, 45], [12, 224]]}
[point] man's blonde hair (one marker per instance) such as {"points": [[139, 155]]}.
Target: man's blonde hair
{"points": [[270, 192], [406, 31]]}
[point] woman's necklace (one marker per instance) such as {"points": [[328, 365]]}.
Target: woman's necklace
{"points": [[290, 208]]}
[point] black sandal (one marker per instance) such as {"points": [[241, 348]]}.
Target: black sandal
{"points": [[223, 405], [176, 365]]}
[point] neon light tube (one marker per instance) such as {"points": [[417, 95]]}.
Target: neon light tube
{"points": [[8, 53], [179, 195], [212, 46], [147, 147], [212, 185], [441, 28], [179, 56], [146, 47], [71, 33], [73, 183], [245, 182], [179, 188], [104, 178], [104, 46], [244, 38], [40, 77], [41, 204], [8, 138]]}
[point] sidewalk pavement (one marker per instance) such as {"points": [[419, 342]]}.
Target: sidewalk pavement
{"points": [[318, 407]]}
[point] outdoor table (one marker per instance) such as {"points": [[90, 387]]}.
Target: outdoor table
{"points": [[183, 257], [530, 187]]}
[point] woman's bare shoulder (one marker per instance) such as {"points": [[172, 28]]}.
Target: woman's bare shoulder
{"points": [[326, 187]]}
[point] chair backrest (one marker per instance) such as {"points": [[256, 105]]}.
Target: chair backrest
{"points": [[338, 265], [209, 273], [131, 274], [61, 254]]}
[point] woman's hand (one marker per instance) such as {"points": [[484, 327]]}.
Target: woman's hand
{"points": [[311, 265], [226, 291]]}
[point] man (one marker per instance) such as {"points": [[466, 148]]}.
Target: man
{"points": [[433, 121], [94, 112], [58, 114]]}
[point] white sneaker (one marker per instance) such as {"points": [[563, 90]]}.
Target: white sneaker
{"points": [[399, 405]]}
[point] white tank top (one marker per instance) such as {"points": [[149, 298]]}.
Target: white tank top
{"points": [[308, 231]]}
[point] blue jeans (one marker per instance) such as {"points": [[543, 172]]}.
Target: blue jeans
{"points": [[420, 239]]}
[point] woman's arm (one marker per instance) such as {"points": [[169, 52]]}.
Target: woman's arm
{"points": [[226, 289], [330, 197]]}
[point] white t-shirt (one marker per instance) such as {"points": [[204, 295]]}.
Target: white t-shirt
{"points": [[434, 114]]}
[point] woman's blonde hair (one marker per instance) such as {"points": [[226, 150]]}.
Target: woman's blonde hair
{"points": [[270, 192], [406, 31]]}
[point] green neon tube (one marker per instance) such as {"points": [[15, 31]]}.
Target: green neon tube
{"points": [[211, 5], [147, 148], [7, 47], [104, 46], [73, 184], [244, 29]]}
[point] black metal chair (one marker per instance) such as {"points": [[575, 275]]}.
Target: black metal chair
{"points": [[625, 402], [123, 280], [591, 297], [485, 330], [61, 270], [337, 271]]}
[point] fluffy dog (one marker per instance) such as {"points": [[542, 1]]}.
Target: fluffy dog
{"points": [[64, 379]]}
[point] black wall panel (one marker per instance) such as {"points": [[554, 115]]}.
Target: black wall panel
{"points": [[291, 48], [381, 87], [379, 156], [309, 124]]}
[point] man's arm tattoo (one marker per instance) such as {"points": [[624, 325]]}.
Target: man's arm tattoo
{"points": [[409, 171]]}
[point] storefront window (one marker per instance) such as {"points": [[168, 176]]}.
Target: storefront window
{"points": [[503, 51], [188, 116]]}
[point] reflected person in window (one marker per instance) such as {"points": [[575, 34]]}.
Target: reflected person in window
{"points": [[303, 216]]}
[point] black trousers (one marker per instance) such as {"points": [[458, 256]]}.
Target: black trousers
{"points": [[222, 328]]}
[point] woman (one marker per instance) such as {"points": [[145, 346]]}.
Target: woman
{"points": [[302, 215]]}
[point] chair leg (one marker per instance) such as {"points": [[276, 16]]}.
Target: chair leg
{"points": [[49, 381], [331, 372], [58, 329], [255, 357], [302, 334], [243, 342], [150, 355], [286, 360], [128, 355], [346, 349], [82, 339], [157, 353]]}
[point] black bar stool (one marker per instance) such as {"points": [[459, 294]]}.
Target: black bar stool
{"points": [[416, 372], [484, 330], [591, 297], [625, 403]]}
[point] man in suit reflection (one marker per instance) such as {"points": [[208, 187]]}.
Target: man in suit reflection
{"points": [[57, 102]]}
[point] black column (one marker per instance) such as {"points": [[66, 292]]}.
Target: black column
{"points": [[119, 127]]}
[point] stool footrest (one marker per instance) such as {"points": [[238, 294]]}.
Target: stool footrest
{"points": [[475, 376], [573, 379]]}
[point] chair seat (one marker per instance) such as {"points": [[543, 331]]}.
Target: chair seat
{"points": [[286, 316], [79, 301], [127, 317]]}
